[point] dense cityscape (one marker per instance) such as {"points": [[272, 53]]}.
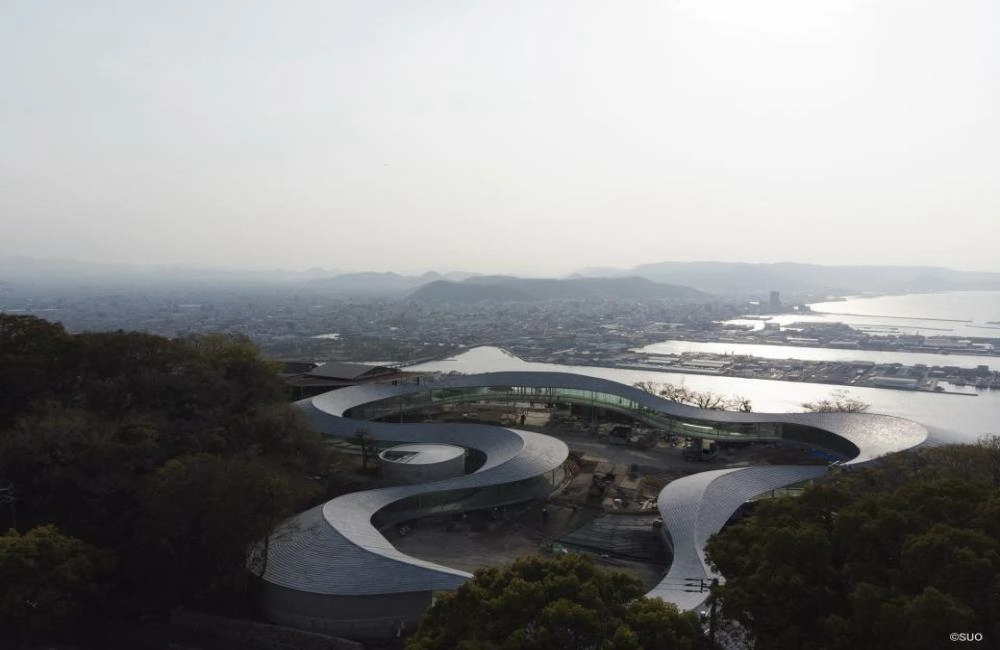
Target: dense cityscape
{"points": [[297, 322]]}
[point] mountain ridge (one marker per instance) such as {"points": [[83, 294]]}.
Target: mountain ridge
{"points": [[747, 277], [501, 288], [722, 278]]}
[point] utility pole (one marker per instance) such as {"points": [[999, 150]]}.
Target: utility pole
{"points": [[700, 586], [696, 585], [713, 600]]}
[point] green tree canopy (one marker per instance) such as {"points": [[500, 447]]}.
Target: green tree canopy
{"points": [[202, 513], [47, 580], [33, 362], [174, 455], [553, 604], [894, 556]]}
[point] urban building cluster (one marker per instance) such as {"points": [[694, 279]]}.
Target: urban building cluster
{"points": [[306, 323], [302, 322], [846, 373]]}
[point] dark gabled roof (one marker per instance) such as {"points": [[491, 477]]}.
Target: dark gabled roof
{"points": [[349, 371], [296, 367]]}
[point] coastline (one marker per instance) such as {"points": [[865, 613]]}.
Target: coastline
{"points": [[788, 370]]}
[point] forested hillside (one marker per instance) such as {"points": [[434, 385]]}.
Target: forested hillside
{"points": [[898, 556], [153, 464]]}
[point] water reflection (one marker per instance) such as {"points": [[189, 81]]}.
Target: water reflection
{"points": [[953, 418]]}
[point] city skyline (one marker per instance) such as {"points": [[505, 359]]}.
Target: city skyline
{"points": [[527, 138]]}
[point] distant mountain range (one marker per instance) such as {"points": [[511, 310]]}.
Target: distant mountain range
{"points": [[506, 288], [665, 279], [737, 277], [385, 282], [74, 272]]}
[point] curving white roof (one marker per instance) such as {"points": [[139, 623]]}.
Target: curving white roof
{"points": [[696, 507], [335, 549]]}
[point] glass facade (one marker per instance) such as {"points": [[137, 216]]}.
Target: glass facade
{"points": [[519, 397]]}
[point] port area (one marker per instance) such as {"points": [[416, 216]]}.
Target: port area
{"points": [[624, 348], [919, 377]]}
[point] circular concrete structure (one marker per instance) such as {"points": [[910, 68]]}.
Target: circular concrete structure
{"points": [[421, 463]]}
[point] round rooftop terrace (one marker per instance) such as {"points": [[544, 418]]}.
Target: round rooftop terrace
{"points": [[421, 453]]}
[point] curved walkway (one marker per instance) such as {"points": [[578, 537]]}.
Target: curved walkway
{"points": [[336, 550]]}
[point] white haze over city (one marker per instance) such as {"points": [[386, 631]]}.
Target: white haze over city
{"points": [[530, 137]]}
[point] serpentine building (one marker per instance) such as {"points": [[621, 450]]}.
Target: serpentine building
{"points": [[330, 570]]}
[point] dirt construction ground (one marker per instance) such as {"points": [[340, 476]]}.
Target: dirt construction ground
{"points": [[616, 524], [479, 541]]}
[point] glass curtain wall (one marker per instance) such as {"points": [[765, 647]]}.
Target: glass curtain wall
{"points": [[522, 397]]}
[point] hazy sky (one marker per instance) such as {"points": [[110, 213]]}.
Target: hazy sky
{"points": [[526, 136]]}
